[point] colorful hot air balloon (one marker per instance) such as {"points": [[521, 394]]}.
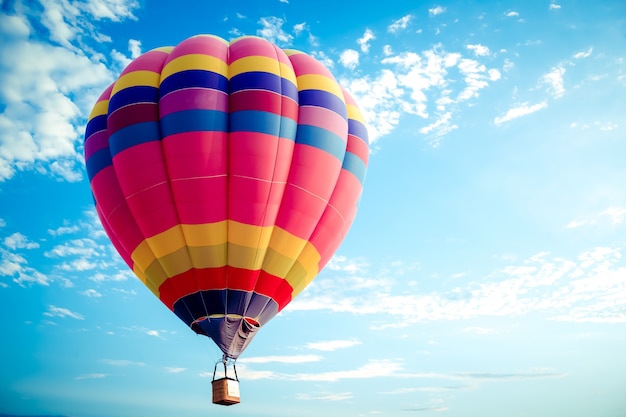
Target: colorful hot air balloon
{"points": [[226, 175]]}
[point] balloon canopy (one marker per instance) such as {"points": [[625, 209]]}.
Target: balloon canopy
{"points": [[226, 175]]}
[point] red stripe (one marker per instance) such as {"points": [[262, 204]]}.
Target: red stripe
{"points": [[268, 101], [205, 45], [196, 280], [132, 114], [358, 147]]}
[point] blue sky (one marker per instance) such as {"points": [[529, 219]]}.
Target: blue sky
{"points": [[483, 276]]}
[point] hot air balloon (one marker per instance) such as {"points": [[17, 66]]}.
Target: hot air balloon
{"points": [[226, 174]]}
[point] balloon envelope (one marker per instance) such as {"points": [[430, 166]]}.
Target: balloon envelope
{"points": [[226, 175]]}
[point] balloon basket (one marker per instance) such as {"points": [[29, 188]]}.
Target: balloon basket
{"points": [[226, 389]]}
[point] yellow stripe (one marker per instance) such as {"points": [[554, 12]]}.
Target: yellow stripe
{"points": [[134, 78], [215, 245], [100, 108], [208, 234], [195, 62], [309, 260], [319, 82], [354, 113], [248, 235], [262, 64], [166, 49], [290, 52]]}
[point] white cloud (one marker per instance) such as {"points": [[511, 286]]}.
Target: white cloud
{"points": [[583, 54], [521, 110], [19, 241], [479, 50], [324, 396], [299, 28], [63, 230], [554, 80], [282, 359], [349, 58], [174, 370], [554, 6], [122, 362], [590, 287], [512, 13], [364, 41], [134, 47], [91, 376], [332, 345], [48, 90], [154, 333], [273, 31], [614, 216], [91, 293], [399, 24], [436, 10], [61, 312]]}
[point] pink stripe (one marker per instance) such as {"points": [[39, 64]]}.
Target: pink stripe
{"points": [[154, 209], [338, 217], [324, 118], [205, 45], [305, 64], [150, 61], [244, 47], [196, 154], [192, 99], [299, 212], [95, 142], [139, 167], [201, 200], [358, 147], [254, 154], [314, 170]]}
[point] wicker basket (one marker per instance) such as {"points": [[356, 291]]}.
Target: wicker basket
{"points": [[225, 391]]}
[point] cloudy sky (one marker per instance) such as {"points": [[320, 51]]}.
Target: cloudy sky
{"points": [[483, 276]]}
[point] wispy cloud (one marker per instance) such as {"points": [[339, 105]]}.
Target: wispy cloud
{"points": [[399, 24], [174, 370], [332, 345], [554, 80], [364, 41], [590, 287], [437, 10], [19, 241], [324, 396], [612, 215], [349, 58], [282, 359], [91, 376], [521, 110], [272, 30], [62, 312], [122, 362]]}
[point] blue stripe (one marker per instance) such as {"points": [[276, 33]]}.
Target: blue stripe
{"points": [[193, 306], [322, 139], [358, 129], [132, 135], [355, 165], [135, 94], [193, 78], [199, 120], [263, 122], [97, 162], [96, 124], [323, 99], [263, 81]]}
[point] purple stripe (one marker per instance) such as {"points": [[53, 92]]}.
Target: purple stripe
{"points": [[193, 99]]}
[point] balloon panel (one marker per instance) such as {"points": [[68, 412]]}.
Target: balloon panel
{"points": [[226, 175]]}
